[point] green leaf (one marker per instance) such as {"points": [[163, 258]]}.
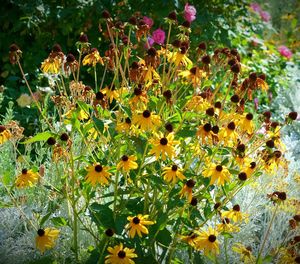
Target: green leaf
{"points": [[164, 237], [39, 137], [59, 221], [102, 215], [186, 132], [99, 124], [45, 218], [227, 235]]}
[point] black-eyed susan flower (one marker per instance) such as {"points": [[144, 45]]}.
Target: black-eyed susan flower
{"points": [[46, 238], [146, 120], [163, 145], [235, 214], [27, 178], [92, 58], [97, 174], [120, 255], [197, 104], [217, 173], [111, 93], [139, 99], [207, 241], [228, 134], [179, 58], [226, 226], [194, 75], [205, 133], [187, 190], [4, 134], [53, 64], [246, 124], [249, 168], [191, 238], [172, 174], [124, 125], [127, 163], [245, 253], [137, 225]]}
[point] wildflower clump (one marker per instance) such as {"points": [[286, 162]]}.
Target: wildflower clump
{"points": [[157, 145]]}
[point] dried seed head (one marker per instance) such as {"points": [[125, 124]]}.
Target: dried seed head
{"points": [[132, 20], [105, 14], [206, 59], [194, 201], [172, 15], [293, 115], [152, 52], [235, 98], [169, 127], [13, 48], [51, 141], [267, 114], [186, 24], [202, 46], [235, 68], [99, 96], [253, 76], [167, 94], [83, 38], [282, 196], [64, 137], [70, 58], [56, 48]]}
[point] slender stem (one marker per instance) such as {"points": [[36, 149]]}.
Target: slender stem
{"points": [[95, 75], [267, 234], [116, 194]]}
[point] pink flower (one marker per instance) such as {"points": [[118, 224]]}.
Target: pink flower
{"points": [[159, 36], [285, 51], [255, 103], [265, 16], [255, 7], [149, 43], [148, 21], [189, 13]]}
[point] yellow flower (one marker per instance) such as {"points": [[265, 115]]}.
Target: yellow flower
{"points": [[139, 100], [172, 174], [205, 133], [92, 58], [46, 239], [81, 114], [97, 174], [217, 173], [111, 93], [228, 135], [179, 58], [27, 178], [127, 163], [246, 124], [197, 103], [163, 145], [51, 65], [124, 126], [246, 255], [235, 214], [24, 100], [4, 134], [138, 224], [207, 241], [191, 238], [120, 255], [194, 75], [226, 226], [249, 168], [146, 121], [187, 190]]}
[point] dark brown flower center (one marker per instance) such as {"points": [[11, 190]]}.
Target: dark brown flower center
{"points": [[169, 127], [212, 238], [218, 105], [136, 220], [146, 113], [243, 176], [231, 126], [2, 128], [98, 168], [99, 96], [215, 129], [124, 158], [163, 141], [194, 201], [207, 127], [241, 148], [210, 111], [193, 70], [270, 143], [236, 208], [41, 232], [137, 91], [226, 221], [249, 116], [190, 183], [109, 232], [24, 171], [174, 167], [121, 254], [252, 164], [167, 94], [127, 120], [219, 168], [152, 52]]}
